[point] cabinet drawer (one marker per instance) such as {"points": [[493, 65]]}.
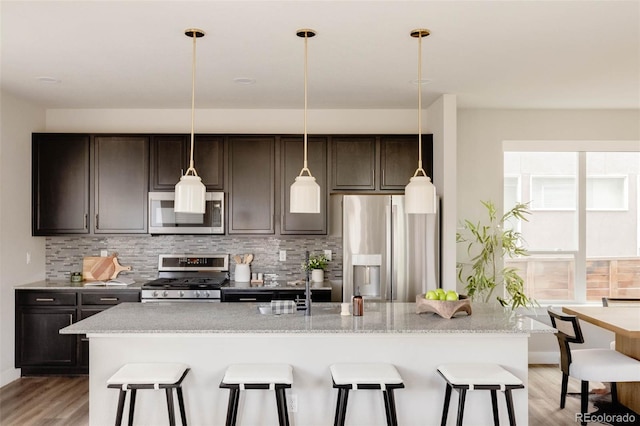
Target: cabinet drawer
{"points": [[108, 298], [45, 298], [247, 296]]}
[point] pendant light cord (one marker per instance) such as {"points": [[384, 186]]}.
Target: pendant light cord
{"points": [[420, 169], [193, 104], [305, 167]]}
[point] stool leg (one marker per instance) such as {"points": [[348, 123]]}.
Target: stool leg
{"points": [[183, 414], [132, 405], [281, 401], [462, 394], [390, 407], [172, 416], [341, 406], [614, 394], [509, 398], [445, 407], [121, 397], [232, 409], [494, 405]]}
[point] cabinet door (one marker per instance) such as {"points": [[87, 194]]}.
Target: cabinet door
{"points": [[121, 184], [208, 157], [292, 159], [252, 184], [353, 161], [60, 184], [38, 342], [399, 159], [168, 161], [246, 296]]}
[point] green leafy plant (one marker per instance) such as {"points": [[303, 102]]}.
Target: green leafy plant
{"points": [[319, 261], [488, 244]]}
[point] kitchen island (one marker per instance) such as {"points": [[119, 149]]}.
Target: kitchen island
{"points": [[209, 337]]}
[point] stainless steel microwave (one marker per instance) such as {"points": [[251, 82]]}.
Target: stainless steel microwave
{"points": [[163, 220]]}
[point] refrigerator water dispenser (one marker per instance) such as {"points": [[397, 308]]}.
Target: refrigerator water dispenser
{"points": [[366, 274]]}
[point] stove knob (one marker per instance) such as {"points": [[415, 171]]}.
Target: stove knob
{"points": [[181, 293], [155, 294], [197, 293], [206, 294], [165, 293]]}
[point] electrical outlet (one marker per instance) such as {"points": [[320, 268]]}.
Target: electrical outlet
{"points": [[292, 403], [327, 254], [28, 257], [283, 255], [103, 253]]}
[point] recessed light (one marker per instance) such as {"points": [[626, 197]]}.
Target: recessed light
{"points": [[244, 80], [48, 80], [422, 81]]}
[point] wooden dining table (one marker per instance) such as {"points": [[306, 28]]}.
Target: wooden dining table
{"points": [[624, 321]]}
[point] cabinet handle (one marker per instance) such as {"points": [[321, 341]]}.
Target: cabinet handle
{"points": [[86, 219], [247, 299], [45, 299], [97, 226], [108, 299], [84, 339], [70, 319]]}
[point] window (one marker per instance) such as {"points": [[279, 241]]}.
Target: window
{"points": [[583, 235]]}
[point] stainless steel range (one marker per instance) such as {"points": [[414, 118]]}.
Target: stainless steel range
{"points": [[188, 278]]}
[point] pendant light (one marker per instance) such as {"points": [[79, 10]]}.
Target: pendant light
{"points": [[190, 191], [420, 193], [304, 195]]}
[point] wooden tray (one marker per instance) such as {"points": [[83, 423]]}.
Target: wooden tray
{"points": [[101, 268], [444, 308]]}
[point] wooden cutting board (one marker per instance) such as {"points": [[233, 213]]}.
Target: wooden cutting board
{"points": [[98, 268], [118, 268]]}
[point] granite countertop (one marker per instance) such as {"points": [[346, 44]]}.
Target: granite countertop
{"points": [[213, 318], [68, 285], [281, 285]]}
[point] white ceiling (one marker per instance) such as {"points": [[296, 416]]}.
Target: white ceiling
{"points": [[491, 54]]}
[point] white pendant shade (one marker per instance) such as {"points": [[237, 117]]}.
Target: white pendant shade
{"points": [[420, 196], [189, 195], [304, 195]]}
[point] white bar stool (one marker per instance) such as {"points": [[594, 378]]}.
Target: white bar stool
{"points": [[277, 377], [357, 376], [478, 376], [131, 377]]}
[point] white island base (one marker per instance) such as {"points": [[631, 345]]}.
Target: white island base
{"points": [[416, 355]]}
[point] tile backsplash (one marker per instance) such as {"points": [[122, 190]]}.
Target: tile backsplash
{"points": [[64, 254]]}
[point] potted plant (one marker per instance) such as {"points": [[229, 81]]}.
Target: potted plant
{"points": [[488, 244], [317, 265]]}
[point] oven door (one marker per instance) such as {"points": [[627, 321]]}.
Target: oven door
{"points": [[163, 219]]}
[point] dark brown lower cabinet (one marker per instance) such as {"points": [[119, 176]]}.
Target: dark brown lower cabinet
{"points": [[40, 314]]}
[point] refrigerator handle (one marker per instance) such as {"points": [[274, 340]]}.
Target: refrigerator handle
{"points": [[389, 278]]}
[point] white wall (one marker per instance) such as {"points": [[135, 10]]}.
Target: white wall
{"points": [[18, 119], [480, 163]]}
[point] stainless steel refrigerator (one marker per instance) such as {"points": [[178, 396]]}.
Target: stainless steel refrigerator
{"points": [[387, 253]]}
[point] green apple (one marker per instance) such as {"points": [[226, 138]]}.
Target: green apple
{"points": [[442, 296], [431, 295], [451, 295], [440, 291]]}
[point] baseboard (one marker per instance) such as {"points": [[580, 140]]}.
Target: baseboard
{"points": [[544, 358], [9, 375]]}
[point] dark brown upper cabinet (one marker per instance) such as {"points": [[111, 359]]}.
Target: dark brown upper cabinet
{"points": [[252, 184], [353, 160], [121, 174], [170, 156], [60, 184], [399, 159], [291, 162]]}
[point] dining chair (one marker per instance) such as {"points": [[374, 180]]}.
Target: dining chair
{"points": [[620, 301], [589, 365]]}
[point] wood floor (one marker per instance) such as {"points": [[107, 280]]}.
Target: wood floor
{"points": [[64, 401]]}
